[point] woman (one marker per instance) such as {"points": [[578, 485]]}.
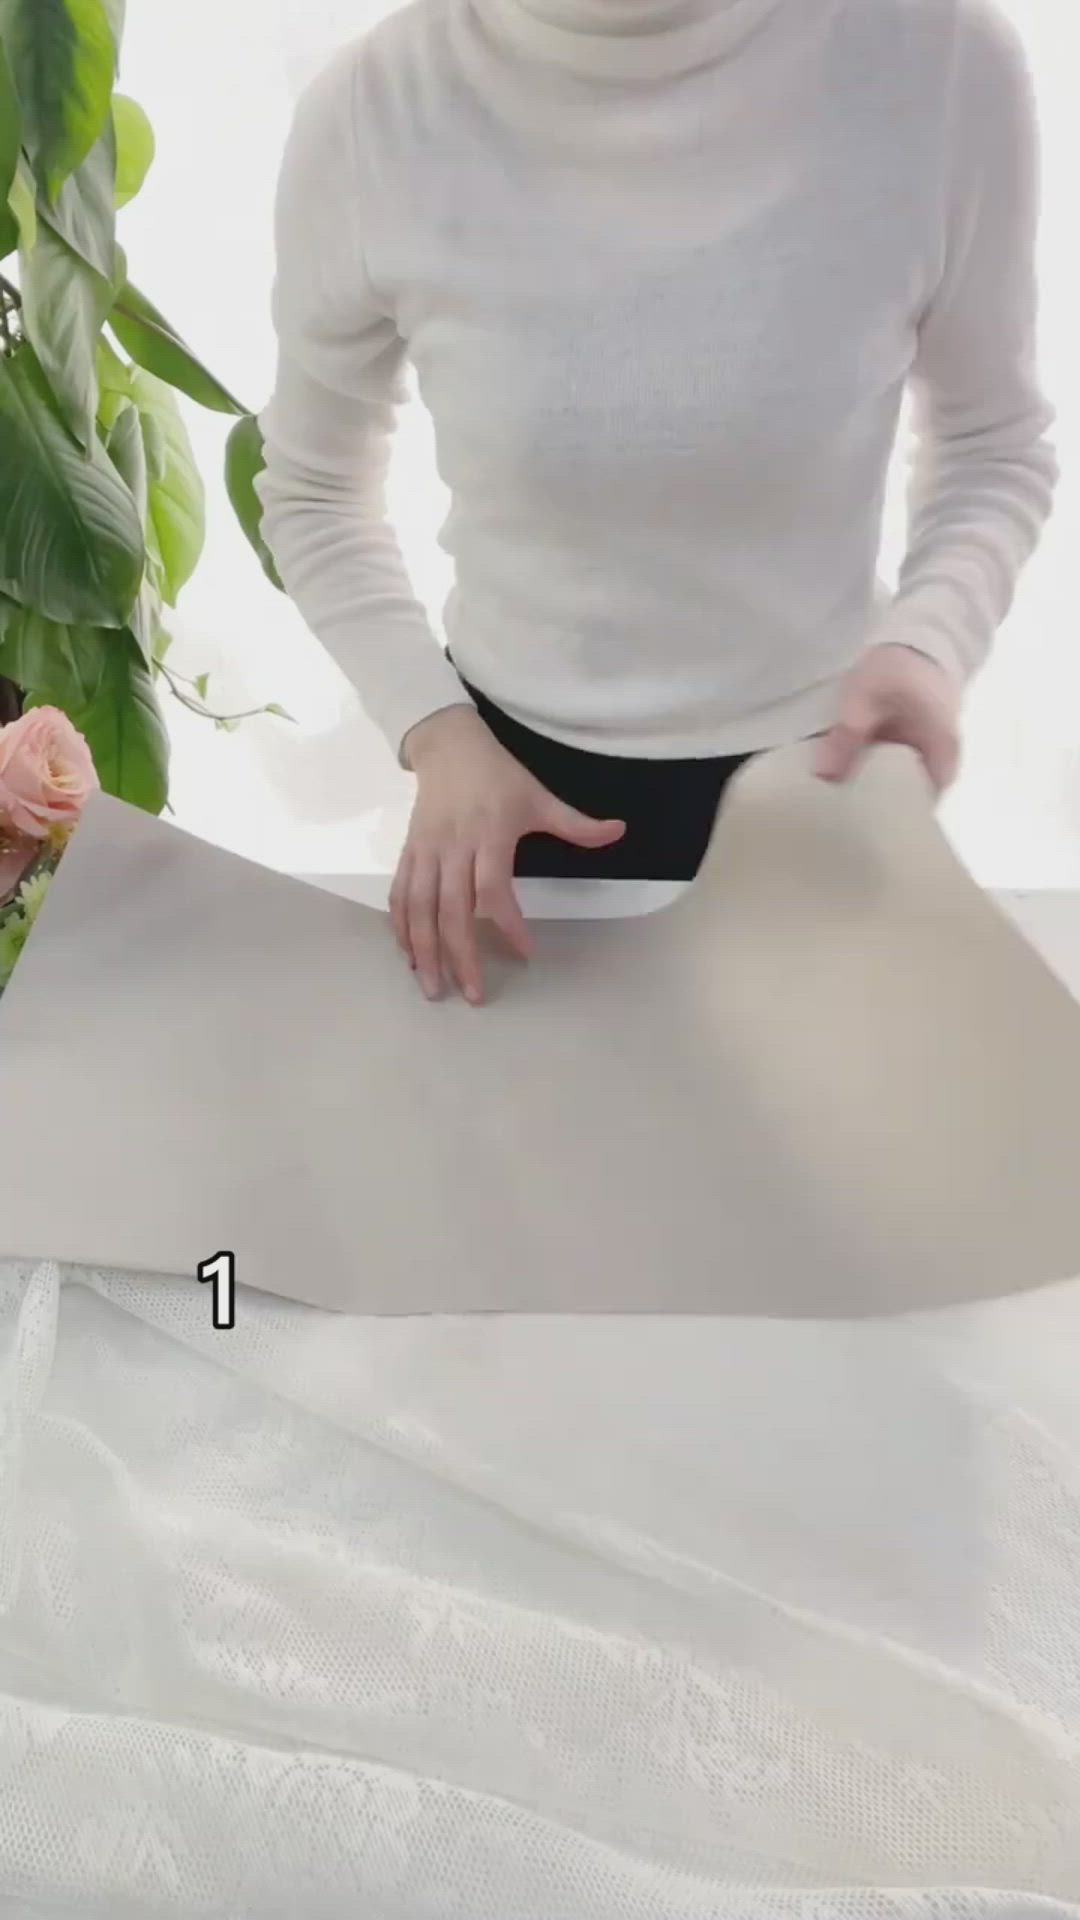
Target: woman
{"points": [[665, 269]]}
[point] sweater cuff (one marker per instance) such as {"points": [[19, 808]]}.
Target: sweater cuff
{"points": [[938, 630], [424, 682]]}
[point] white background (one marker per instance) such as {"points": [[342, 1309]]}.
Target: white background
{"points": [[218, 78]]}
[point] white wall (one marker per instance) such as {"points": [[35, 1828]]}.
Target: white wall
{"points": [[218, 77]]}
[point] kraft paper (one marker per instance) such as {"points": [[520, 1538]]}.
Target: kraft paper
{"points": [[832, 1079]]}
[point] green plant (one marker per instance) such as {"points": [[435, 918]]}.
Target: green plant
{"points": [[17, 916], [102, 510]]}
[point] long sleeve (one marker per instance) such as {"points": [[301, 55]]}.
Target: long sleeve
{"points": [[984, 471], [328, 427]]}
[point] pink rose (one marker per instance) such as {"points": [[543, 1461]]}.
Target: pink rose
{"points": [[46, 774]]}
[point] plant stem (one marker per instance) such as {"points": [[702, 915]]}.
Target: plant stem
{"points": [[174, 673], [196, 706]]}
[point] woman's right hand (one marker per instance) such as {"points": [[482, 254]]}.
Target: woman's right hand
{"points": [[474, 803]]}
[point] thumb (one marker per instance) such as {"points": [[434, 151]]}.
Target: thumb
{"points": [[566, 823], [845, 743]]}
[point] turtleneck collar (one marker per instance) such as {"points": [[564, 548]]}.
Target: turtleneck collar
{"points": [[624, 39]]}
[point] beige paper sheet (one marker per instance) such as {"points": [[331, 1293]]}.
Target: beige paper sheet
{"points": [[830, 1080]]}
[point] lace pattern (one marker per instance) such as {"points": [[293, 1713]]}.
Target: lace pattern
{"points": [[534, 1620]]}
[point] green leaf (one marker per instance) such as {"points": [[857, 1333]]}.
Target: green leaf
{"points": [[162, 642], [10, 125], [280, 713], [10, 131], [123, 727], [110, 407], [114, 374], [60, 665], [71, 544], [10, 610], [63, 57], [10, 154], [135, 147], [114, 386], [156, 444], [23, 211], [201, 684], [244, 461], [64, 308], [144, 620], [125, 448], [84, 213], [149, 338], [116, 11], [176, 517]]}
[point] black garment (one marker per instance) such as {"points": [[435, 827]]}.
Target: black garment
{"points": [[669, 806]]}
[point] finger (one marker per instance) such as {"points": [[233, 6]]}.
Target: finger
{"points": [[940, 751], [933, 737], [423, 919], [496, 900], [457, 926], [566, 823], [399, 911], [843, 747]]}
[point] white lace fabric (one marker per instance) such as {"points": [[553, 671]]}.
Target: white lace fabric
{"points": [[534, 1620]]}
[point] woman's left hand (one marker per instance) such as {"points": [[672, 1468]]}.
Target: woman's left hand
{"points": [[897, 695]]}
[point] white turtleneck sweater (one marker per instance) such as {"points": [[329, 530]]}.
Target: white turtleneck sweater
{"points": [[665, 269]]}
